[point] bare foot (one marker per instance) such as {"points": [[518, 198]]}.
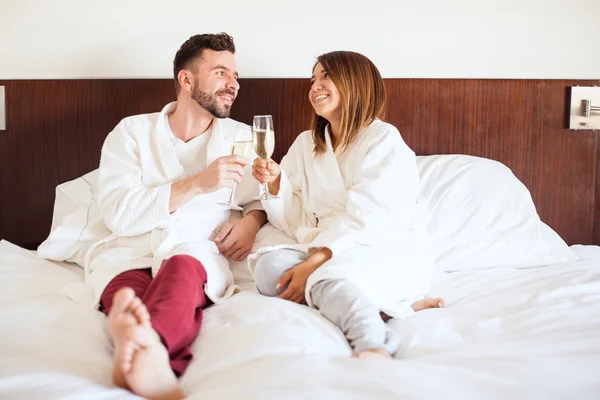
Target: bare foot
{"points": [[127, 312], [148, 372], [429, 302], [372, 354]]}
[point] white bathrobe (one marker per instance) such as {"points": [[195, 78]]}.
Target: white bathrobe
{"points": [[130, 226], [364, 206]]}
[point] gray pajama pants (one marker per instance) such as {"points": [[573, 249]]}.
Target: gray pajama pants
{"points": [[337, 299]]}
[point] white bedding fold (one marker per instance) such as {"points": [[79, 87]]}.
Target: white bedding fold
{"points": [[517, 334]]}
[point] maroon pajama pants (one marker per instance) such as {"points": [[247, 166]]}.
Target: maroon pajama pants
{"points": [[174, 298]]}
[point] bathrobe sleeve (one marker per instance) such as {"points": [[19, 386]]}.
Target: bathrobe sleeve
{"points": [[128, 207], [287, 213]]}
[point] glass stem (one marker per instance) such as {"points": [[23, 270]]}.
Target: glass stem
{"points": [[232, 193], [266, 189]]}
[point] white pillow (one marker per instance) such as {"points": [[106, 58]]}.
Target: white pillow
{"points": [[482, 216], [77, 224], [76, 221], [72, 196]]}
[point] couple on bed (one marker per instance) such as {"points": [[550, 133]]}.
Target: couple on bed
{"points": [[346, 235]]}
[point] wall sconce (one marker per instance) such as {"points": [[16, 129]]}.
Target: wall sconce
{"points": [[2, 109], [585, 108]]}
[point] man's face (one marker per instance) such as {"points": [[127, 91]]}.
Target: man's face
{"points": [[214, 84]]}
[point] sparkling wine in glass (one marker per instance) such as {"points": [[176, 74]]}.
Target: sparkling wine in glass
{"points": [[264, 145], [242, 146]]}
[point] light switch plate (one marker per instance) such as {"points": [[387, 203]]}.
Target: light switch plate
{"points": [[582, 96], [2, 109]]}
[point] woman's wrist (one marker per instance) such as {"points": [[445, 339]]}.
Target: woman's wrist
{"points": [[274, 186], [320, 257]]}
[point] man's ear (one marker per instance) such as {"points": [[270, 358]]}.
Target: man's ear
{"points": [[186, 80]]}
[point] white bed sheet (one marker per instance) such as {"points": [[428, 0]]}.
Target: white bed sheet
{"points": [[518, 334]]}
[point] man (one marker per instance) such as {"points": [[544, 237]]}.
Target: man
{"points": [[161, 179]]}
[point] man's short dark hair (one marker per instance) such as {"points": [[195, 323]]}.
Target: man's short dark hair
{"points": [[193, 48]]}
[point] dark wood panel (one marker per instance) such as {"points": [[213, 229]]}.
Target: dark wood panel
{"points": [[596, 215], [55, 130], [521, 123], [281, 98], [564, 168]]}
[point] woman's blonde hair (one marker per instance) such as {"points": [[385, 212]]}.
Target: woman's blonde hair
{"points": [[362, 93]]}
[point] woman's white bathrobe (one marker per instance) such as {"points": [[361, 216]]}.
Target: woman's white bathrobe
{"points": [[364, 208], [132, 227]]}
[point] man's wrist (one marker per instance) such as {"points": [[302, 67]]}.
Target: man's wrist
{"points": [[196, 185], [257, 218]]}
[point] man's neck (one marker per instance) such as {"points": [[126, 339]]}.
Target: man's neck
{"points": [[189, 120]]}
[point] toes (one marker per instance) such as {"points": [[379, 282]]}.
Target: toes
{"points": [[127, 350], [433, 302], [122, 300], [134, 304], [439, 302], [143, 336], [139, 311], [144, 316], [372, 354]]}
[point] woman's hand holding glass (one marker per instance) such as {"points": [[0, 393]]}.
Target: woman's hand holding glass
{"points": [[267, 172]]}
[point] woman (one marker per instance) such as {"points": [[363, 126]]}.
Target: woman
{"points": [[348, 195]]}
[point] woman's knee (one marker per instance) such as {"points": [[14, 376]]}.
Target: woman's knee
{"points": [[270, 267], [332, 291], [266, 276]]}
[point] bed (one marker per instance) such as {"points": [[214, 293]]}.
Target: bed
{"points": [[522, 320], [522, 317], [526, 333]]}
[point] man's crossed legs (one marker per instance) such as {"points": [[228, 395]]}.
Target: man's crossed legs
{"points": [[152, 323]]}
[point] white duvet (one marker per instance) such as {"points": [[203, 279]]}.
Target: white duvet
{"points": [[505, 334]]}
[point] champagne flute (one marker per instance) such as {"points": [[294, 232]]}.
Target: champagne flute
{"points": [[264, 145], [242, 146]]}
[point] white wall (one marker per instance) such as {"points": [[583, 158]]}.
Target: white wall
{"points": [[418, 38]]}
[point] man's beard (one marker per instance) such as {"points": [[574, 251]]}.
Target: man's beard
{"points": [[210, 103]]}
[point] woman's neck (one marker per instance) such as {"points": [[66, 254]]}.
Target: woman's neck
{"points": [[334, 130]]}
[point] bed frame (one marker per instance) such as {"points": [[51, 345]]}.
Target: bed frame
{"points": [[55, 129]]}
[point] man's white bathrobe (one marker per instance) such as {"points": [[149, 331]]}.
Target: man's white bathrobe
{"points": [[364, 206], [130, 225]]}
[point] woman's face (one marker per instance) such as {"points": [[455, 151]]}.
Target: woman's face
{"points": [[323, 95]]}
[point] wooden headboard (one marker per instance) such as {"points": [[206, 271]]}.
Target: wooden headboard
{"points": [[55, 129]]}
